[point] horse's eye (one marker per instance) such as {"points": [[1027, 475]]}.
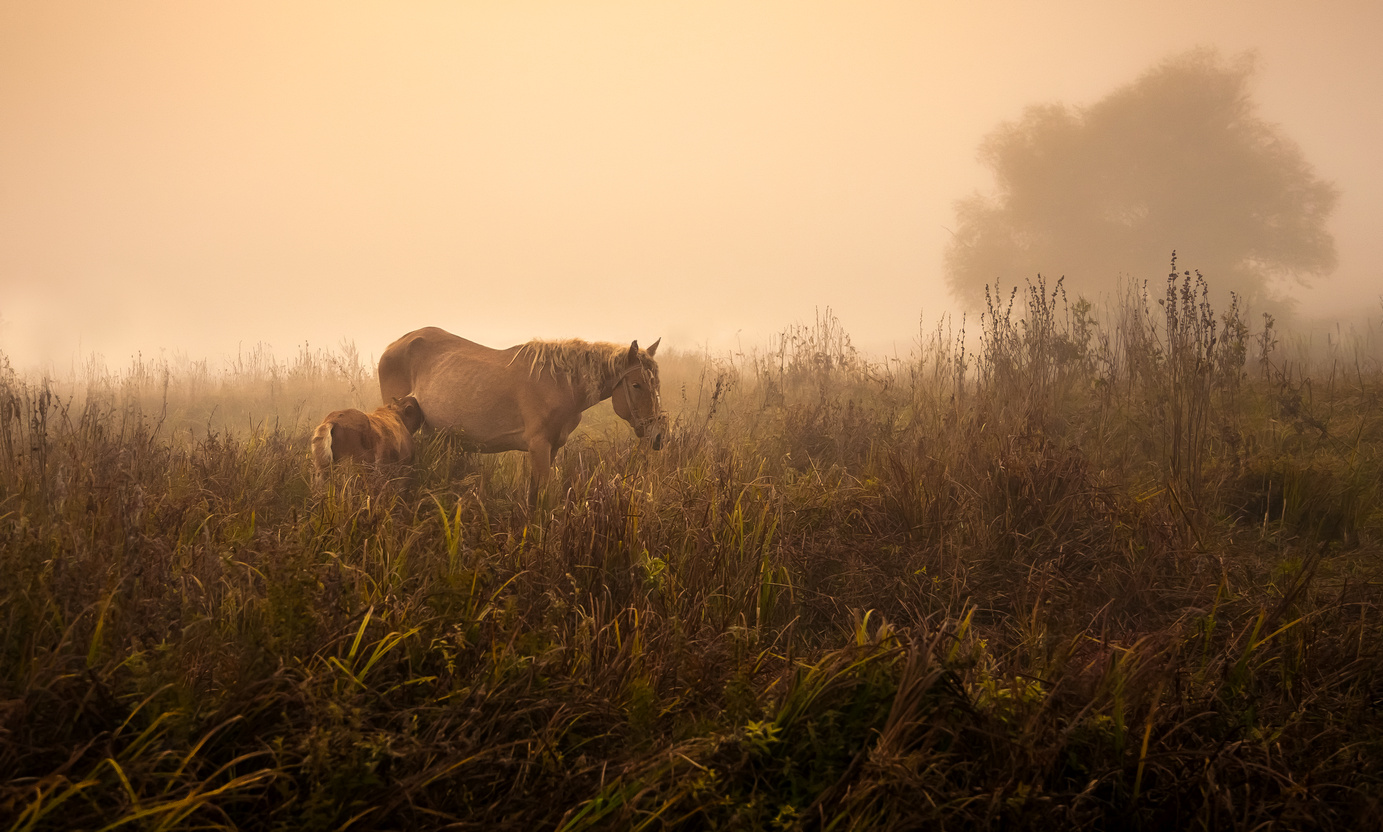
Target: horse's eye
{"points": [[638, 386]]}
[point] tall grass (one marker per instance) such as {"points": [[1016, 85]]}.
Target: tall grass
{"points": [[1098, 569]]}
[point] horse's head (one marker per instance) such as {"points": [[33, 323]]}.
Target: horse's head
{"points": [[635, 397]]}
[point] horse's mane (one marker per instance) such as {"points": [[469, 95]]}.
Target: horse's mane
{"points": [[586, 364]]}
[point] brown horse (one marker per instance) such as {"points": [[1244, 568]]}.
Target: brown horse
{"points": [[383, 436], [529, 397]]}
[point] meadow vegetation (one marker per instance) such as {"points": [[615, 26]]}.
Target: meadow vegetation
{"points": [[1082, 569]]}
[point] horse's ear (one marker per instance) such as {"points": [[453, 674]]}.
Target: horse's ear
{"points": [[633, 353], [653, 349]]}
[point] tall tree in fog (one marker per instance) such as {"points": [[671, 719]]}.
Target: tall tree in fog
{"points": [[1178, 159]]}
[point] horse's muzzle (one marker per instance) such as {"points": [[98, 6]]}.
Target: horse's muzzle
{"points": [[653, 431]]}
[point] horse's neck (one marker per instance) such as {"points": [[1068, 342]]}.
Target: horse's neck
{"points": [[601, 390], [590, 392], [590, 378]]}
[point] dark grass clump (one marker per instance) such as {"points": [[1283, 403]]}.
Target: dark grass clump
{"points": [[1073, 576]]}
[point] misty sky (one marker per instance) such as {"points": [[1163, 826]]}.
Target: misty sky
{"points": [[201, 177]]}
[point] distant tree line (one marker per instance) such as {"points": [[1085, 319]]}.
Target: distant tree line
{"points": [[1178, 159]]}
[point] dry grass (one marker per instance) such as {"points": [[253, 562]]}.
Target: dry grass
{"points": [[1080, 575]]}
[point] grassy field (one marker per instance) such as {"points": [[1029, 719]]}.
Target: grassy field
{"points": [[1099, 570]]}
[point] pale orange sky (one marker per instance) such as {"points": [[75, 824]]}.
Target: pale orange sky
{"points": [[194, 176]]}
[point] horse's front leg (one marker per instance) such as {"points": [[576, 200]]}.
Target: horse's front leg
{"points": [[540, 455]]}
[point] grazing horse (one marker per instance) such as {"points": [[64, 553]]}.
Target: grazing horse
{"points": [[528, 397], [383, 436]]}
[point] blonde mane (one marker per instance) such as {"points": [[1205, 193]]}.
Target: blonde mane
{"points": [[590, 367]]}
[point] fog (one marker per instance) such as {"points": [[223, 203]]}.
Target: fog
{"points": [[196, 179]]}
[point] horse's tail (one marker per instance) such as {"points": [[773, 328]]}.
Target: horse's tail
{"points": [[321, 449], [396, 368]]}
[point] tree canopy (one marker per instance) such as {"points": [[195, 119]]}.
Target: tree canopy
{"points": [[1178, 159]]}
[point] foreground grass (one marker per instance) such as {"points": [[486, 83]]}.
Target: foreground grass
{"points": [[1121, 576]]}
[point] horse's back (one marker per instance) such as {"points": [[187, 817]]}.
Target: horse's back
{"points": [[459, 383], [414, 357]]}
